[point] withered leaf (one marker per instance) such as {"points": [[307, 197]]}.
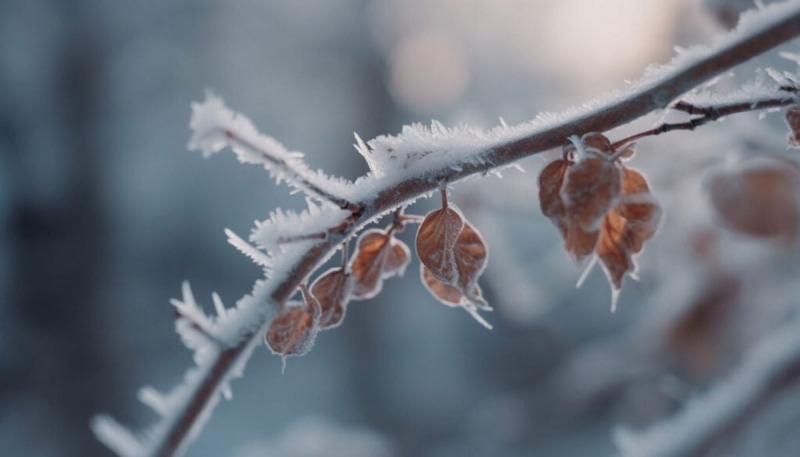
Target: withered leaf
{"points": [[446, 293], [470, 255], [699, 336], [760, 198], [550, 181], [793, 121], [612, 250], [591, 188], [294, 330], [452, 296], [579, 243], [332, 289], [436, 240], [378, 256], [598, 142], [640, 210]]}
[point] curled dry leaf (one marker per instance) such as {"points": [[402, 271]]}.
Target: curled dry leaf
{"points": [[598, 142], [294, 330], [550, 181], [793, 121], [591, 188], [451, 296], [332, 289], [760, 198], [625, 228], [378, 256], [640, 210], [453, 256], [612, 249], [436, 240]]}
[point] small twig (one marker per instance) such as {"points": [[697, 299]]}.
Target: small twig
{"points": [[443, 192], [707, 114]]}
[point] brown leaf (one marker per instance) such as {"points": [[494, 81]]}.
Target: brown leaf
{"points": [[471, 255], [332, 289], [761, 198], [446, 293], [580, 243], [640, 210], [598, 142], [436, 240], [378, 256], [793, 121], [591, 188], [699, 337], [294, 330], [611, 249], [550, 181], [452, 296], [397, 258]]}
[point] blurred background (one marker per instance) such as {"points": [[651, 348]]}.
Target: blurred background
{"points": [[103, 213]]}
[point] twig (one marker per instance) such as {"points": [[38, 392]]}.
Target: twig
{"points": [[707, 114], [217, 370]]}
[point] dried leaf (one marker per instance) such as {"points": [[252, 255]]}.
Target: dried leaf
{"points": [[378, 256], [611, 249], [471, 256], [436, 241], [793, 121], [699, 336], [591, 188], [456, 261], [397, 259], [550, 181], [580, 243], [452, 296], [332, 289], [760, 199], [640, 210], [446, 293], [293, 332], [598, 142]]}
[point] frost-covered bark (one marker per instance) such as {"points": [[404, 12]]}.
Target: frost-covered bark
{"points": [[403, 168]]}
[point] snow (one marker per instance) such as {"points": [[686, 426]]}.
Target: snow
{"points": [[707, 414]]}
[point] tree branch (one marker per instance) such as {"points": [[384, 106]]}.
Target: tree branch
{"points": [[707, 114], [204, 383]]}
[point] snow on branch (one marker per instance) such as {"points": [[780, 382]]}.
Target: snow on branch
{"points": [[403, 168], [215, 126], [707, 421]]}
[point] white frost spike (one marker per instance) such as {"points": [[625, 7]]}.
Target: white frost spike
{"points": [[219, 307], [154, 400], [272, 234], [256, 255], [116, 437]]}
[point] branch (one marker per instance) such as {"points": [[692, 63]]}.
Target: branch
{"points": [[707, 114], [423, 161]]}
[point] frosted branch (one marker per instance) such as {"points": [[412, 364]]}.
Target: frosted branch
{"points": [[403, 168], [727, 408], [215, 126]]}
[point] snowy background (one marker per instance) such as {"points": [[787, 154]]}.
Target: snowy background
{"points": [[103, 213]]}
